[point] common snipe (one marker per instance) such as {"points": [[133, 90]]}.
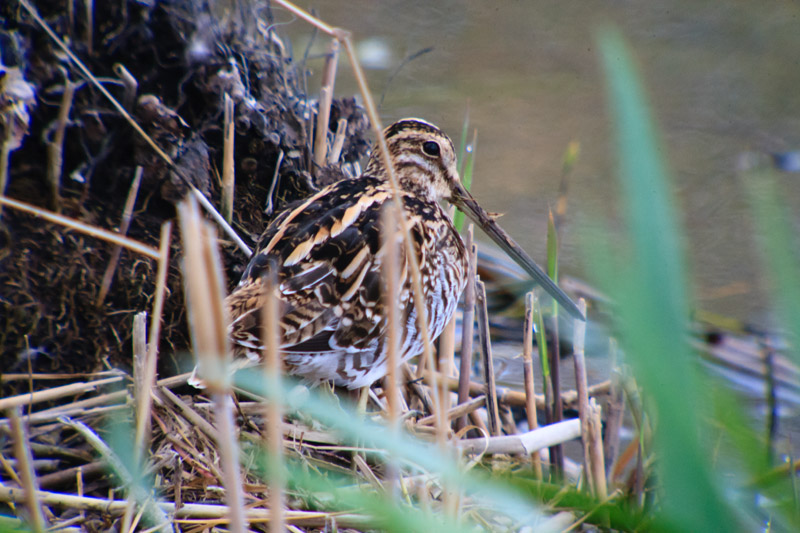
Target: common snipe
{"points": [[327, 253]]}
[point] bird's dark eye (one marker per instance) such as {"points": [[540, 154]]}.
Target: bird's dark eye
{"points": [[431, 148]]}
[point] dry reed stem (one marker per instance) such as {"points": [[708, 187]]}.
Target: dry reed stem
{"points": [[488, 360], [6, 378], [127, 214], [596, 456], [228, 171], [182, 515], [5, 158], [525, 443], [324, 104], [414, 270], [390, 273], [208, 321], [139, 338], [89, 25], [460, 410], [517, 398], [273, 412], [55, 393], [578, 343], [82, 227], [530, 392], [24, 458], [127, 116], [338, 141], [144, 401], [55, 146], [467, 325]]}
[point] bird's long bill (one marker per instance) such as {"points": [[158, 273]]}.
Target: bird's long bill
{"points": [[464, 201]]}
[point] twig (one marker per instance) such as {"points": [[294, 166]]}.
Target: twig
{"points": [[488, 361], [127, 214], [467, 325], [228, 173], [26, 472], [527, 366], [526, 443], [76, 225]]}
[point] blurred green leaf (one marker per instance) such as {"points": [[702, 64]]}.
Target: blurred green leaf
{"points": [[653, 305]]}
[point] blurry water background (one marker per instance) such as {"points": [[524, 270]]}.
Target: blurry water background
{"points": [[723, 79]]}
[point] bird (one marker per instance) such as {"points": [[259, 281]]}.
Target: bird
{"points": [[323, 256]]}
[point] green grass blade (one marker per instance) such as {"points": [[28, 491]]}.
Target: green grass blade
{"points": [[654, 306], [466, 176]]}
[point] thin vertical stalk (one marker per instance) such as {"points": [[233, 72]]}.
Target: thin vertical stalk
{"points": [[616, 407], [273, 413], [55, 147], [488, 361], [228, 170], [467, 326], [338, 142], [325, 101], [24, 458], [127, 215], [530, 392], [581, 385], [208, 318], [149, 377]]}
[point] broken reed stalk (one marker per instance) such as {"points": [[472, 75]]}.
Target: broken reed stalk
{"points": [[129, 82], [488, 361], [55, 146], [338, 142], [228, 171], [596, 455], [125, 224], [325, 101], [467, 324], [525, 443], [82, 227], [273, 413], [578, 343], [22, 452], [530, 392], [615, 406], [144, 401], [229, 231], [139, 339], [56, 392], [208, 319]]}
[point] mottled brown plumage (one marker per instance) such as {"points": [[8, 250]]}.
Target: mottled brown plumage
{"points": [[326, 253]]}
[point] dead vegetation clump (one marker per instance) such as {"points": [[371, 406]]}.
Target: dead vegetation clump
{"points": [[170, 65]]}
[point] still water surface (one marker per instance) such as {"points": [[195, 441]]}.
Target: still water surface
{"points": [[723, 78]]}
